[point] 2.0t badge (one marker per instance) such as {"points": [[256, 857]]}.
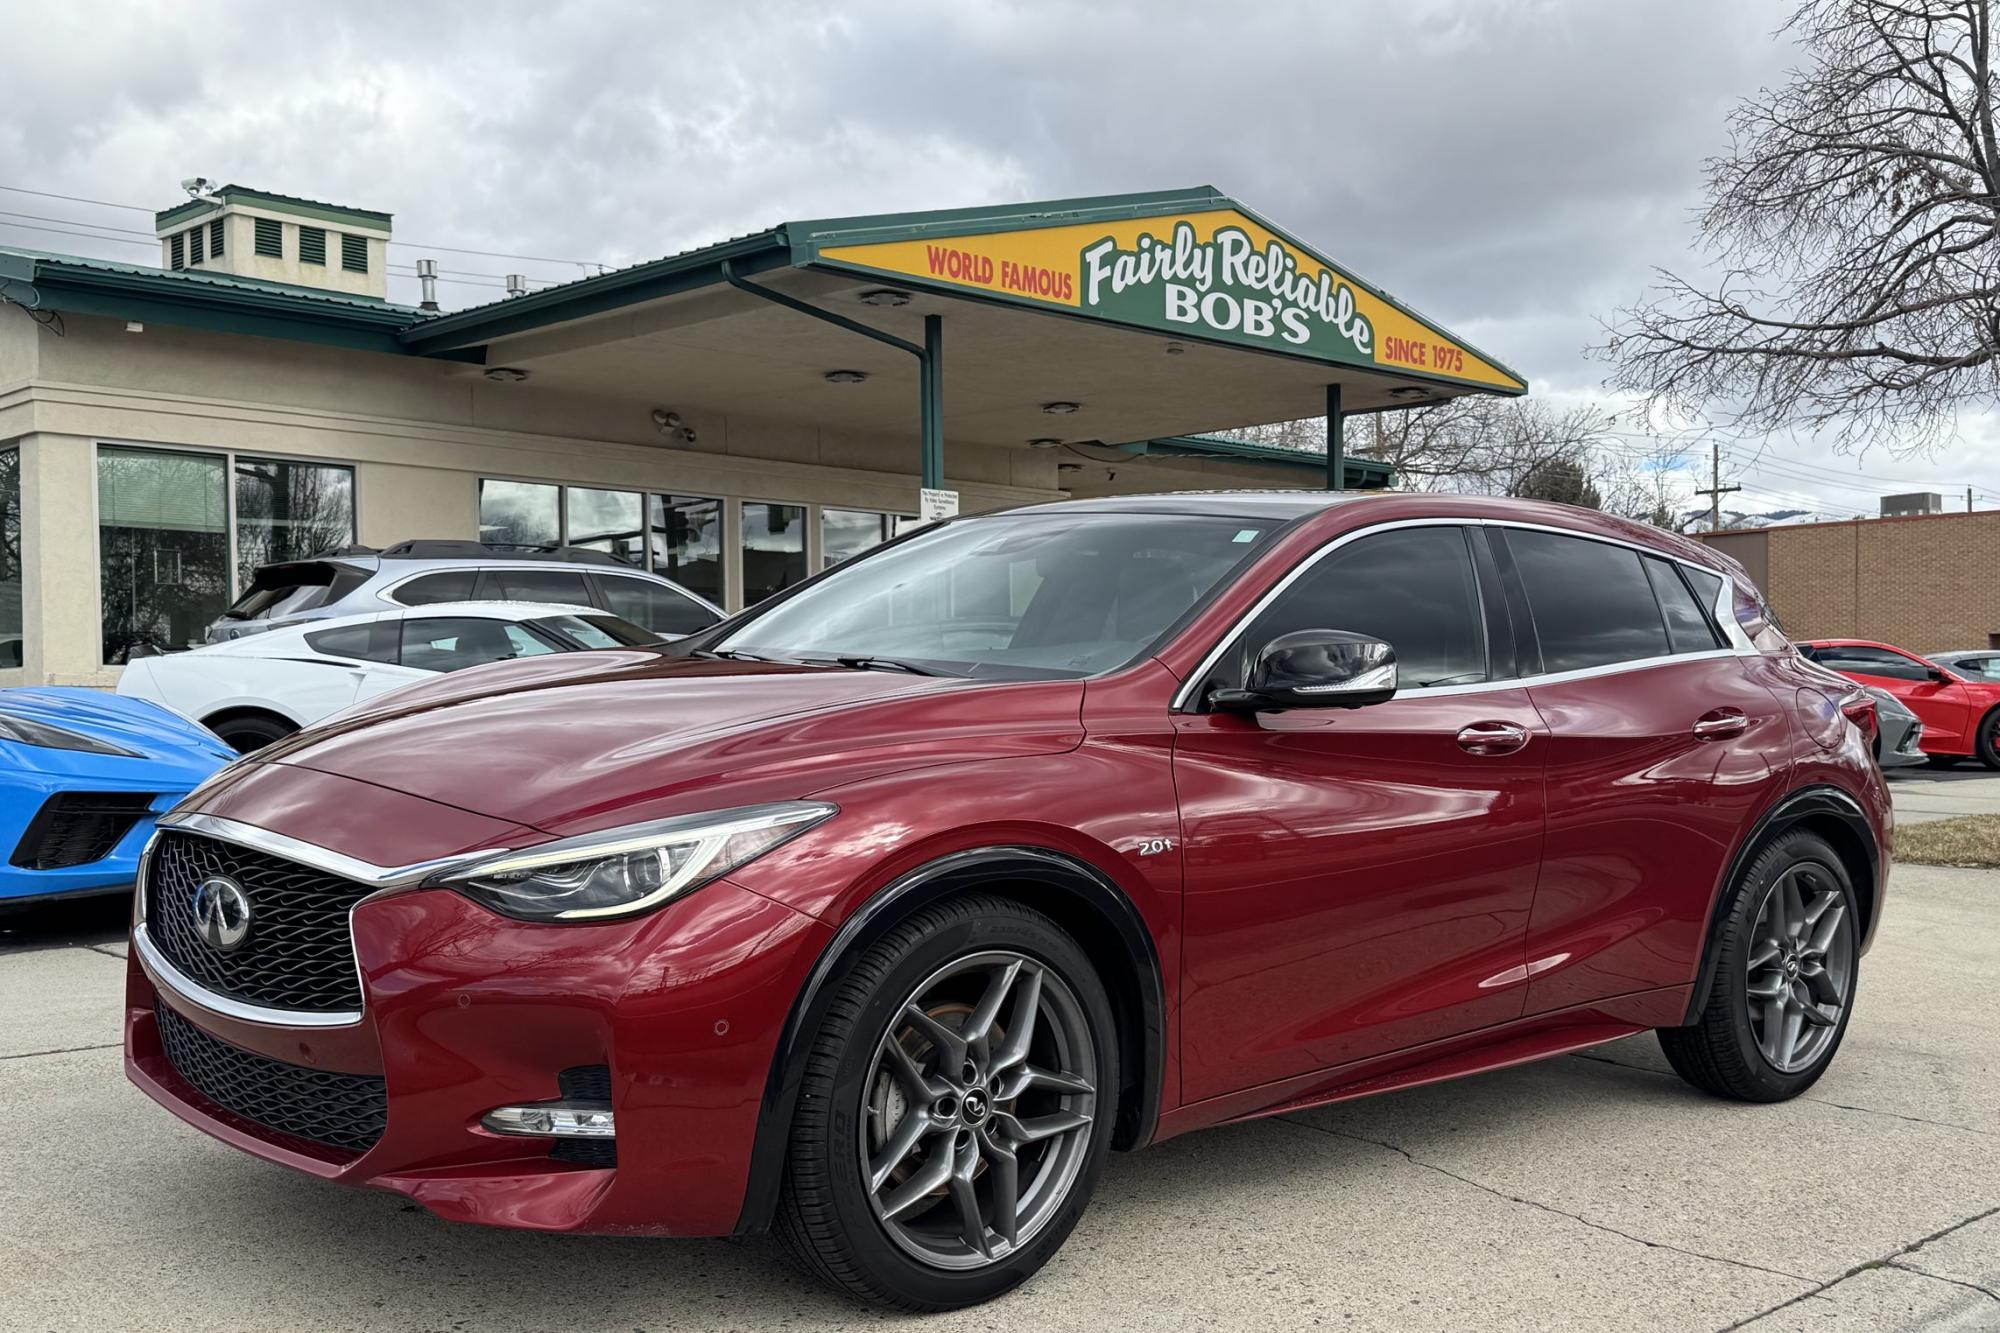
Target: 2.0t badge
{"points": [[222, 913]]}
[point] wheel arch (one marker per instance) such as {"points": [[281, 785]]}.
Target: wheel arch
{"points": [[1079, 897], [1825, 810]]}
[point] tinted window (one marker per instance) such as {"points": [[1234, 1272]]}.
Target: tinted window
{"points": [[1872, 662], [597, 631], [1688, 626], [451, 586], [534, 585], [1984, 668], [1413, 588], [452, 643], [374, 642], [1592, 603], [1707, 586], [658, 608]]}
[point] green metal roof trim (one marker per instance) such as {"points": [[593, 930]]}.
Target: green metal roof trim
{"points": [[277, 203], [76, 286], [1367, 473]]}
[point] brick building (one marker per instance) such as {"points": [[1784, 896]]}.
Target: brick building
{"points": [[1926, 582]]}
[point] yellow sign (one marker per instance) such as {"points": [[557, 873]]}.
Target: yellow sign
{"points": [[1216, 274]]}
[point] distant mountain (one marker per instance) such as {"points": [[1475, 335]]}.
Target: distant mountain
{"points": [[1696, 520]]}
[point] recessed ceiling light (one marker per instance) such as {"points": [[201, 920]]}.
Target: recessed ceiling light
{"points": [[1045, 442], [885, 296], [506, 375], [1060, 409], [846, 376], [1409, 393]]}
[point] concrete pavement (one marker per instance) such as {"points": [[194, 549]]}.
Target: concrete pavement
{"points": [[1588, 1192], [1922, 793]]}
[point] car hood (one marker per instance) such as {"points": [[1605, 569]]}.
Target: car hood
{"points": [[171, 750], [576, 741]]}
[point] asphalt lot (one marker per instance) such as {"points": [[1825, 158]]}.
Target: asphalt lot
{"points": [[1594, 1191]]}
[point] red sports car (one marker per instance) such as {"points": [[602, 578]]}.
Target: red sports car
{"points": [[1961, 714], [879, 913]]}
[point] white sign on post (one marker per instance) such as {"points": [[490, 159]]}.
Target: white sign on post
{"points": [[934, 506]]}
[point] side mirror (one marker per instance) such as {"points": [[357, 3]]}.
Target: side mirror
{"points": [[1315, 668], [1940, 675]]}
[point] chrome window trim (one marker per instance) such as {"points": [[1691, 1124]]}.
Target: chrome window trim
{"points": [[1724, 612], [379, 879]]}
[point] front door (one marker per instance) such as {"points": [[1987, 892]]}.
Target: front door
{"points": [[1358, 880]]}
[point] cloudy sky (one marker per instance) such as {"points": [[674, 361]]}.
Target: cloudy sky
{"points": [[1514, 168]]}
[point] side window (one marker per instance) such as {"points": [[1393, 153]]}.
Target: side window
{"points": [[658, 608], [1592, 603], [454, 585], [534, 585], [1873, 662], [1413, 588], [1689, 629], [373, 642], [452, 643]]}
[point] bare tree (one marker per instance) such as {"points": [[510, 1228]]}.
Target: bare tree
{"points": [[1855, 219]]}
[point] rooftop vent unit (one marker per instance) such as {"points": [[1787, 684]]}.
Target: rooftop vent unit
{"points": [[237, 232]]}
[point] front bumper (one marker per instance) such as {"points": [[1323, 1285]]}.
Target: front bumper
{"points": [[465, 1011]]}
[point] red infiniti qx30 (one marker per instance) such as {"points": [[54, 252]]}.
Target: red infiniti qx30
{"points": [[879, 913]]}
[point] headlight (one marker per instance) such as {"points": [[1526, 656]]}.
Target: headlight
{"points": [[632, 869], [56, 738]]}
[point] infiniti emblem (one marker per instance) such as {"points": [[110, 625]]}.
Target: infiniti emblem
{"points": [[222, 913]]}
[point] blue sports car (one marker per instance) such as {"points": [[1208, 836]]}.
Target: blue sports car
{"points": [[82, 773]]}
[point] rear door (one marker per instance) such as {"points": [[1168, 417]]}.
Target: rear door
{"points": [[1662, 752]]}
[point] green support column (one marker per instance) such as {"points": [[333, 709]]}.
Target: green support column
{"points": [[931, 369], [1336, 445]]}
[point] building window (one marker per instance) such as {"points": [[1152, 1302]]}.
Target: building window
{"points": [[270, 238], [608, 521], [846, 533], [177, 250], [289, 511], [10, 559], [215, 239], [312, 245], [520, 513], [354, 254], [774, 548], [686, 542], [163, 547]]}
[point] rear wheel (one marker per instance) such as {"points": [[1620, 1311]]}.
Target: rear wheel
{"points": [[1785, 970], [244, 732], [956, 1108]]}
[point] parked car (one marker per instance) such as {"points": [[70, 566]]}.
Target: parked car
{"points": [[1960, 713], [425, 573], [1973, 664], [1899, 733], [82, 774], [253, 691], [880, 913]]}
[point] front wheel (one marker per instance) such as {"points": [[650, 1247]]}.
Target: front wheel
{"points": [[1785, 967], [956, 1108], [1989, 740]]}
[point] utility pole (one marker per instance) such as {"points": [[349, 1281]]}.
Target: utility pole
{"points": [[1968, 499], [1716, 490]]}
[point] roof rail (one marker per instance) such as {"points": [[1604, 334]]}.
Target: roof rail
{"points": [[447, 549]]}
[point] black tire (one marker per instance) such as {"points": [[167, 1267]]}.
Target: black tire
{"points": [[1988, 744], [1720, 1053], [246, 732], [826, 1214]]}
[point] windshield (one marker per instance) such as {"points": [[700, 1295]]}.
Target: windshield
{"points": [[597, 631], [1019, 596]]}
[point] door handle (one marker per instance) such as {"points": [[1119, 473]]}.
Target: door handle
{"points": [[1492, 738], [1719, 724]]}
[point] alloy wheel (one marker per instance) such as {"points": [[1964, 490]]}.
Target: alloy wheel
{"points": [[1801, 968], [978, 1109]]}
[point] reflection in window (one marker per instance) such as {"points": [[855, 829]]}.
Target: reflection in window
{"points": [[520, 513], [774, 548], [163, 547], [10, 559], [606, 521], [290, 511], [846, 533], [687, 542]]}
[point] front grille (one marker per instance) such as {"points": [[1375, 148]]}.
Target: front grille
{"points": [[298, 954], [346, 1111], [75, 828]]}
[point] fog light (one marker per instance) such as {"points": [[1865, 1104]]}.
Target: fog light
{"points": [[560, 1120]]}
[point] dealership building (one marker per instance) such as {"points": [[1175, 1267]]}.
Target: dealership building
{"points": [[734, 417]]}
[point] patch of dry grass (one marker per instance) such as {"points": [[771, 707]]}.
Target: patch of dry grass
{"points": [[1971, 840]]}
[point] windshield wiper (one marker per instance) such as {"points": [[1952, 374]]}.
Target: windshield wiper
{"points": [[865, 662], [738, 655]]}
